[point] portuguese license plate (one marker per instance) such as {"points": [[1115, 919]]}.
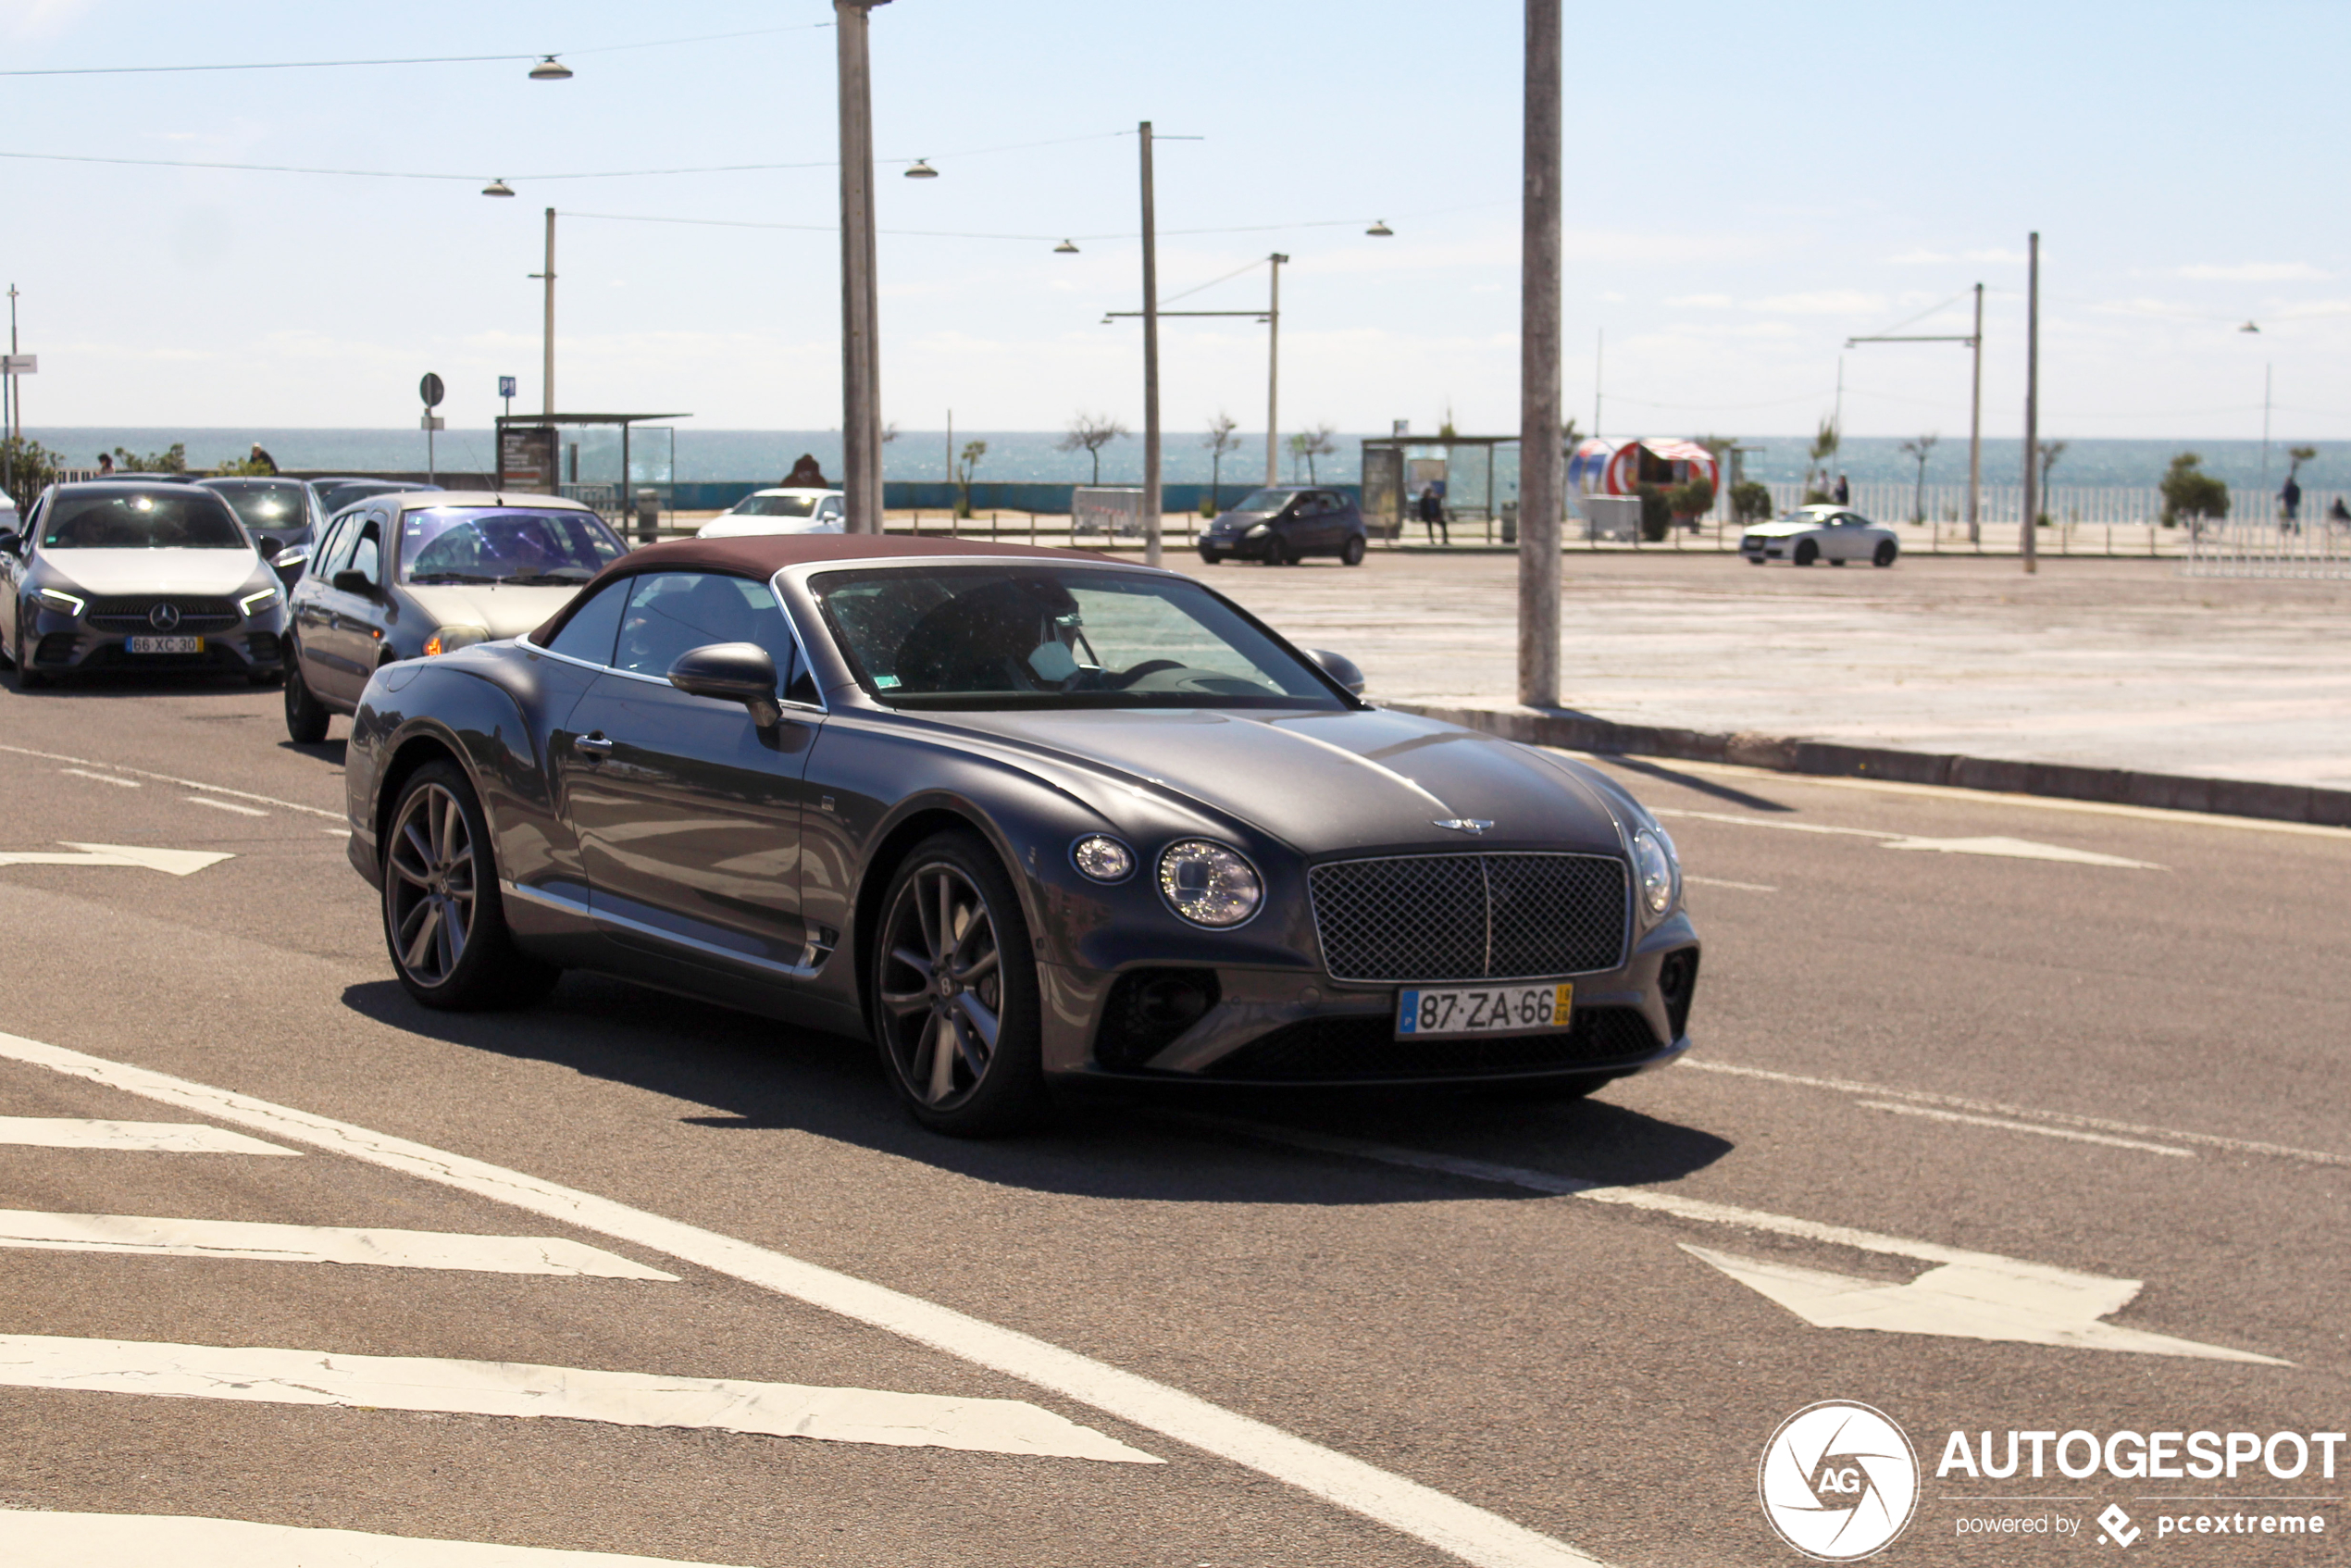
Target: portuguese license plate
{"points": [[167, 645], [1485, 1010]]}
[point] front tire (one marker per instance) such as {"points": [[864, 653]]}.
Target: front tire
{"points": [[1807, 552], [444, 921], [306, 717], [1887, 551], [955, 1004], [1352, 553], [1210, 557]]}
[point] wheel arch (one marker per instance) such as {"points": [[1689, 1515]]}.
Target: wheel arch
{"points": [[897, 841]]}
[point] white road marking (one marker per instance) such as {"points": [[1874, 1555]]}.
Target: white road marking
{"points": [[569, 1393], [2045, 1299], [315, 1244], [1468, 1532], [139, 1540], [160, 1137], [2022, 1112], [225, 805], [2012, 1125], [1719, 882], [103, 777], [178, 863], [2005, 848], [173, 778]]}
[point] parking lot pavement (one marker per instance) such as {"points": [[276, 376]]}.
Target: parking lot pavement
{"points": [[2108, 664], [2004, 1116]]}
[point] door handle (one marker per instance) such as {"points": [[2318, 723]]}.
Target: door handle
{"points": [[594, 746]]}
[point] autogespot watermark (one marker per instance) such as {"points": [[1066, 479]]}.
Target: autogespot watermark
{"points": [[1840, 1481]]}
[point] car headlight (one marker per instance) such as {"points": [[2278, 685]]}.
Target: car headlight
{"points": [[1660, 873], [1254, 530], [1208, 884], [1102, 858], [51, 599], [261, 599], [448, 639]]}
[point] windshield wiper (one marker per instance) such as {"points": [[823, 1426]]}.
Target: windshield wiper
{"points": [[450, 577], [562, 576]]}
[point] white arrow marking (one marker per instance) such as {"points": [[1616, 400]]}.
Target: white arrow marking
{"points": [[159, 1138], [2020, 849], [132, 1540], [180, 862], [1997, 1298], [266, 1242], [227, 806], [100, 778], [516, 1389]]}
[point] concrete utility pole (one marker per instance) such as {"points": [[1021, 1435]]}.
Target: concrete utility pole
{"points": [[15, 423], [1542, 465], [1150, 359], [1274, 374], [2032, 403], [860, 317], [547, 333], [1975, 427]]}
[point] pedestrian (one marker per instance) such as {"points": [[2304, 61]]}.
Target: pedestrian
{"points": [[806, 474], [2290, 504], [1844, 492], [260, 461], [1432, 510], [106, 463], [2339, 514]]}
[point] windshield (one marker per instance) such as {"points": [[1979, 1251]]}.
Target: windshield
{"points": [[503, 544], [1057, 637], [774, 506], [1265, 501], [139, 519], [335, 497], [272, 506]]}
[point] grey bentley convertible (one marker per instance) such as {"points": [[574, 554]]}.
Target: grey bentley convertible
{"points": [[1025, 819]]}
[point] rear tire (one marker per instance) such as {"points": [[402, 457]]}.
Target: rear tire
{"points": [[1887, 551], [1807, 553], [1280, 553], [1211, 558], [1352, 553], [306, 717], [444, 920]]}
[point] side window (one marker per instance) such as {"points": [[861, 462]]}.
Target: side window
{"points": [[671, 613], [367, 557], [336, 553], [589, 634]]}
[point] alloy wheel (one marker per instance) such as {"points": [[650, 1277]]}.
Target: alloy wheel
{"points": [[432, 896], [942, 985]]}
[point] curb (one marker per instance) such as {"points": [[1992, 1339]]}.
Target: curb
{"points": [[1780, 754]]}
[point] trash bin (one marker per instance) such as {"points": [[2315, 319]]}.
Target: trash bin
{"points": [[648, 516]]}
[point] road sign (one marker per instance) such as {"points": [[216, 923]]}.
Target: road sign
{"points": [[432, 391], [432, 422], [18, 364], [506, 386]]}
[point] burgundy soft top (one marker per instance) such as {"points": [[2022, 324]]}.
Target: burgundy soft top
{"points": [[763, 555]]}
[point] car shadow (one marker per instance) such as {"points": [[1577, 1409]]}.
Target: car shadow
{"points": [[750, 1074]]}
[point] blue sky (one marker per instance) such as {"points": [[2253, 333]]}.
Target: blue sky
{"points": [[1749, 186]]}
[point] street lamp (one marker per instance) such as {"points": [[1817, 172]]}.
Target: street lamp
{"points": [[551, 70], [1065, 248], [922, 171], [1379, 228], [498, 188]]}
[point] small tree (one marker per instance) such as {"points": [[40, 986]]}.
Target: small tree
{"points": [[1919, 449], [242, 466], [973, 452], [1319, 443], [1825, 442], [30, 467], [2050, 451], [172, 459], [1657, 512], [1692, 501], [1750, 500], [2300, 454], [1089, 433], [2190, 493], [1221, 440]]}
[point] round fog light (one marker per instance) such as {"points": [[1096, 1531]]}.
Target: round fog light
{"points": [[1102, 857]]}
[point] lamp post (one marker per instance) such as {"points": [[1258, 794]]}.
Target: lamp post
{"points": [[859, 315], [2032, 403], [1542, 463], [547, 340]]}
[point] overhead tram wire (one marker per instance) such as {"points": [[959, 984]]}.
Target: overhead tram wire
{"points": [[406, 60]]}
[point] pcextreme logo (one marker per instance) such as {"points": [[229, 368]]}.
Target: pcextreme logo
{"points": [[1838, 1481]]}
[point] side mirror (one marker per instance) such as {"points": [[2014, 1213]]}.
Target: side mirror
{"points": [[268, 544], [1340, 668], [350, 581], [12, 543], [288, 565], [732, 672]]}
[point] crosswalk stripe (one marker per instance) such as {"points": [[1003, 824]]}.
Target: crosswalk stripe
{"points": [[29, 1540], [160, 1137], [315, 1244], [516, 1389]]}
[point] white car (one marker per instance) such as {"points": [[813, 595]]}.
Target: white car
{"points": [[1835, 534], [778, 511]]}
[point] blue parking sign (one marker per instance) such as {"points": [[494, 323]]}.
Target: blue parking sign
{"points": [[506, 386]]}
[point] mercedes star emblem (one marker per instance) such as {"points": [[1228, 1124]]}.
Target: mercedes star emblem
{"points": [[163, 617]]}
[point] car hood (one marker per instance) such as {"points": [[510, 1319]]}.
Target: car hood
{"points": [[506, 609], [1240, 519], [1328, 782], [155, 571], [1779, 530]]}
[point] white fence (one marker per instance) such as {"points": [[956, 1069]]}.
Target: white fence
{"points": [[1106, 510]]}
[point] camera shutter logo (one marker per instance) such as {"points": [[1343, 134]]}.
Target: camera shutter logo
{"points": [[163, 617], [1838, 1481]]}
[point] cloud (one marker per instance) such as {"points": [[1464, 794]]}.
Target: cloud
{"points": [[1701, 301], [39, 18], [2256, 272], [1823, 301]]}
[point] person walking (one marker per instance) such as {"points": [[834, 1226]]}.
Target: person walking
{"points": [[1432, 510], [1844, 492], [2290, 506], [106, 463], [261, 460]]}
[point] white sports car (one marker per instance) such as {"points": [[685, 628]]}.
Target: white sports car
{"points": [[1835, 534], [779, 511]]}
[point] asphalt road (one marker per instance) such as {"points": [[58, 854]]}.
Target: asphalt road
{"points": [[2041, 1049]]}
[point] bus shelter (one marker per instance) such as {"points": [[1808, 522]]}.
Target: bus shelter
{"points": [[1464, 471], [533, 459]]}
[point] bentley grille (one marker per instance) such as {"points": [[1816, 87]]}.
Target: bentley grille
{"points": [[1470, 916]]}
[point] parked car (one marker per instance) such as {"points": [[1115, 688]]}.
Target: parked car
{"points": [[779, 511], [286, 510], [337, 494], [1835, 534], [139, 572], [1028, 819], [419, 574], [1285, 524]]}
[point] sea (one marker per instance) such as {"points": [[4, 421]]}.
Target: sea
{"points": [[1039, 456]]}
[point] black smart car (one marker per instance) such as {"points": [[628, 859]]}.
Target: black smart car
{"points": [[1285, 524]]}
